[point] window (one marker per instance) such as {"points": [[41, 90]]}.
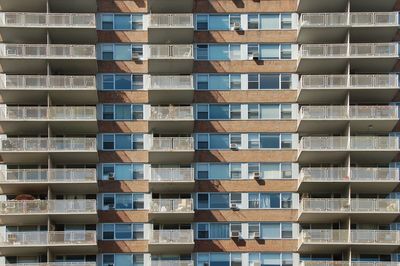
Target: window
{"points": [[213, 230], [121, 22], [269, 21], [217, 22], [219, 259], [123, 259], [121, 52], [122, 231], [219, 171], [269, 81], [269, 111], [271, 259], [122, 141], [270, 200], [122, 82], [124, 201], [220, 52], [202, 22], [122, 111], [123, 171], [269, 141], [219, 141], [213, 200]]}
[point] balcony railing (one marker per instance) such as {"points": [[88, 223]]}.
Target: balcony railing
{"points": [[48, 238], [48, 144], [352, 50], [352, 205], [367, 19], [349, 81], [52, 51], [172, 237], [48, 82], [171, 205], [171, 113], [351, 112], [325, 263], [171, 21], [172, 174], [47, 206], [178, 51], [172, 144], [48, 175], [172, 263], [362, 174], [381, 237], [169, 82], [352, 143], [47, 20], [59, 263], [48, 113]]}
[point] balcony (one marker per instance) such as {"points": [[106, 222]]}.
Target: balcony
{"points": [[171, 179], [38, 211], [62, 27], [328, 241], [335, 119], [58, 263], [16, 181], [171, 210], [173, 263], [171, 119], [22, 243], [313, 6], [171, 149], [349, 263], [333, 27], [73, 6], [170, 28], [24, 89], [34, 58], [173, 59], [329, 89], [171, 241], [364, 57], [364, 149], [37, 150], [61, 119], [169, 89], [362, 179], [320, 210]]}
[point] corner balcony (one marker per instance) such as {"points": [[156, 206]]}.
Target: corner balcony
{"points": [[313, 6], [171, 241], [333, 27], [173, 263], [333, 58], [349, 263], [328, 89], [362, 179], [36, 120], [22, 243], [364, 149], [171, 150], [62, 27], [320, 210], [18, 181], [25, 89], [34, 58], [170, 28], [37, 150], [171, 119], [335, 119], [39, 211], [329, 241], [169, 89], [172, 59], [171, 180], [171, 210]]}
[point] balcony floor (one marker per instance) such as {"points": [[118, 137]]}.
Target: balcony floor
{"points": [[356, 217], [60, 187], [171, 248], [171, 217], [171, 6], [171, 126], [59, 249], [171, 186], [171, 96], [170, 66], [359, 186], [56, 6], [313, 6], [327, 248], [34, 219], [339, 156], [26, 157], [171, 156], [41, 127], [177, 35]]}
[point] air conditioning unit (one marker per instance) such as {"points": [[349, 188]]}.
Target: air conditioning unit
{"points": [[111, 207], [235, 234], [234, 206], [135, 56], [256, 175], [111, 176], [234, 147], [256, 235], [254, 56], [236, 26]]}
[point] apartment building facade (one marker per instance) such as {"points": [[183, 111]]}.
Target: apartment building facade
{"points": [[199, 132]]}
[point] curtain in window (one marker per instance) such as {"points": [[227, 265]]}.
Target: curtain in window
{"points": [[265, 201], [219, 231]]}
